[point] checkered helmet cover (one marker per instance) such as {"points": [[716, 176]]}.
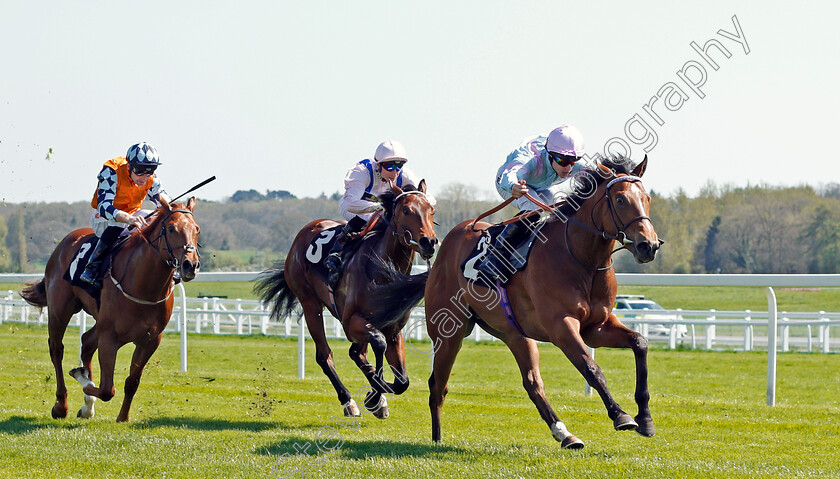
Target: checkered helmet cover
{"points": [[142, 154]]}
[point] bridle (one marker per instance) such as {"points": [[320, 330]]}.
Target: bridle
{"points": [[405, 236], [172, 261], [620, 227]]}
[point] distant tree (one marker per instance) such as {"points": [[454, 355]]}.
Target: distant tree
{"points": [[278, 195], [711, 260], [250, 195], [336, 196], [5, 256], [20, 267]]}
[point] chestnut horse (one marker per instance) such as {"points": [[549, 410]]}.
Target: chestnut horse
{"points": [[407, 228], [135, 302], [564, 295]]}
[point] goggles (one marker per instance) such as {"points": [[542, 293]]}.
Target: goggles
{"points": [[563, 160], [143, 170], [393, 165]]}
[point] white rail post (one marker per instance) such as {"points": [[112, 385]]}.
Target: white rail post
{"points": [[748, 342], [710, 330], [784, 329], [216, 326], [183, 320], [301, 348], [772, 320], [239, 316], [82, 329], [825, 336]]}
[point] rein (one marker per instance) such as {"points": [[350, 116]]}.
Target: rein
{"points": [[172, 262], [620, 227]]}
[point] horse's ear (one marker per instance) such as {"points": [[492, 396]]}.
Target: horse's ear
{"points": [[191, 203], [422, 186], [396, 190], [164, 204], [640, 168]]}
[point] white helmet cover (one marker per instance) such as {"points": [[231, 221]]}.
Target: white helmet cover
{"points": [[389, 150]]}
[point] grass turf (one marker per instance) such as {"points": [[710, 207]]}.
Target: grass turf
{"points": [[240, 411]]}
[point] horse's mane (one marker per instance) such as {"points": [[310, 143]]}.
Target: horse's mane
{"points": [[157, 217], [582, 185]]}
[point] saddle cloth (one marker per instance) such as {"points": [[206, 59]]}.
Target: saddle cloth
{"points": [[321, 245], [77, 266], [514, 259]]}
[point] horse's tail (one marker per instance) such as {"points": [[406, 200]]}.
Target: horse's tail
{"points": [[35, 293], [271, 287], [396, 295]]}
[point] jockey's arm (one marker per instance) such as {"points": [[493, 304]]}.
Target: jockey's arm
{"points": [[354, 191]]}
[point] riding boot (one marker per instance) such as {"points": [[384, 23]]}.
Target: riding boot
{"points": [[333, 261], [493, 265], [89, 274], [103, 246]]}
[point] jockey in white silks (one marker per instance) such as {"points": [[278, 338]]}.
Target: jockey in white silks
{"points": [[363, 184], [540, 166]]}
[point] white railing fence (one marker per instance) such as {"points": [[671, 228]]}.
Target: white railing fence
{"points": [[745, 330]]}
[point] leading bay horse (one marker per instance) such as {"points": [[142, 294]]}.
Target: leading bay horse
{"points": [[405, 228], [135, 302], [564, 295]]}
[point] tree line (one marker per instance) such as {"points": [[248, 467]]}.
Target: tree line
{"points": [[724, 229]]}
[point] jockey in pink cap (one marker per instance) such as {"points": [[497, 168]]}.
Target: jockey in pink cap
{"points": [[539, 166], [364, 182]]}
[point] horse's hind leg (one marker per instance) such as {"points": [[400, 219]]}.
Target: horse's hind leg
{"points": [[142, 353], [108, 346], [57, 327], [90, 341], [566, 335], [528, 358], [613, 334], [314, 314]]}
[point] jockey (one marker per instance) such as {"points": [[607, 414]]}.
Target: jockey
{"points": [[364, 182], [540, 166], [124, 182]]}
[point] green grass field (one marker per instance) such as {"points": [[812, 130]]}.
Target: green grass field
{"points": [[240, 411]]}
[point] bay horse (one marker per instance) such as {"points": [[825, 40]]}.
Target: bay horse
{"points": [[134, 306], [564, 295], [407, 228]]}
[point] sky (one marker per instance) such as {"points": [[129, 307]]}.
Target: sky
{"points": [[280, 95]]}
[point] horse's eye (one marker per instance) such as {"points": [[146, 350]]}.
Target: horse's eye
{"points": [[406, 211], [171, 229], [619, 200]]}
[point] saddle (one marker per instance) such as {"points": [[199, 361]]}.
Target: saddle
{"points": [[515, 258], [80, 261], [321, 245]]}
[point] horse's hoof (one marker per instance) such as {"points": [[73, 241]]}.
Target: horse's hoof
{"points": [[84, 413], [571, 442], [382, 412], [624, 423], [80, 372], [351, 409], [645, 426], [58, 412], [567, 440]]}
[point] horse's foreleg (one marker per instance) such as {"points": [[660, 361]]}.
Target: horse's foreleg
{"points": [[395, 355], [445, 349], [361, 333], [57, 327], [142, 353], [358, 353], [528, 358], [108, 347], [566, 335], [613, 334], [89, 344], [314, 315]]}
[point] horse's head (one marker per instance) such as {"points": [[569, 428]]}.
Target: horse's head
{"points": [[410, 213], [177, 241], [627, 210]]}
